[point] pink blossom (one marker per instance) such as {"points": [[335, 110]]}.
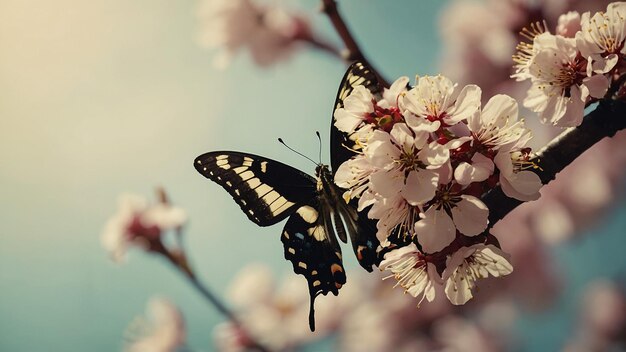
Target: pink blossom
{"points": [[269, 33], [139, 223], [164, 331]]}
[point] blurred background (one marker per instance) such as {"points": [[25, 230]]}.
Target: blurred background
{"points": [[102, 98]]}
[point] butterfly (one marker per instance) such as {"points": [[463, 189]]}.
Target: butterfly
{"points": [[269, 191]]}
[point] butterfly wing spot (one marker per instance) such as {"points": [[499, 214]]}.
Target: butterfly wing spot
{"points": [[262, 190], [291, 250], [308, 214], [223, 163], [247, 162], [316, 283], [335, 268], [264, 166], [246, 175], [314, 272], [238, 170], [317, 232], [302, 265]]}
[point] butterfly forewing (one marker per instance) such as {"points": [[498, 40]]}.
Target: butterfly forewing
{"points": [[342, 148], [266, 190], [358, 74]]}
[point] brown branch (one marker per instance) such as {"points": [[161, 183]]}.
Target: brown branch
{"points": [[353, 51], [322, 45], [180, 262], [606, 120]]}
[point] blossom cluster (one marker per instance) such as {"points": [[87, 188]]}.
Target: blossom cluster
{"points": [[573, 67], [425, 156]]}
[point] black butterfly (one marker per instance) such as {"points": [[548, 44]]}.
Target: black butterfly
{"points": [[269, 191]]}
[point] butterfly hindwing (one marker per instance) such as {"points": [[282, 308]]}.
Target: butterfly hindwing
{"points": [[314, 252], [266, 190]]}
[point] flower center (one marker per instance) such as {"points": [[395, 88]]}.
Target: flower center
{"points": [[522, 161], [384, 118]]}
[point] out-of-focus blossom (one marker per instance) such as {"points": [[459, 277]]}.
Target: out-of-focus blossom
{"points": [[139, 223], [162, 331], [602, 324], [604, 308], [468, 265], [569, 24], [269, 33], [461, 335], [275, 316]]}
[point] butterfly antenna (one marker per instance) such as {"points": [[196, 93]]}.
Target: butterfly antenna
{"points": [[295, 151], [319, 138]]}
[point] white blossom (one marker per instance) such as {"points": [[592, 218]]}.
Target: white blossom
{"points": [[417, 276], [394, 214], [403, 164], [560, 86], [353, 176], [602, 37], [450, 212], [516, 180], [356, 107], [438, 101], [468, 265], [495, 128]]}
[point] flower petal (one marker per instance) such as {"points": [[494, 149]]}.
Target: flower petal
{"points": [[479, 170], [467, 104], [470, 216], [435, 231], [420, 186]]}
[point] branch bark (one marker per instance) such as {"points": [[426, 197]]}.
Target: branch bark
{"points": [[353, 51], [607, 119]]}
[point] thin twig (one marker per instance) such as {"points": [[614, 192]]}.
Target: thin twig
{"points": [[606, 120], [322, 45], [181, 264], [353, 51]]}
